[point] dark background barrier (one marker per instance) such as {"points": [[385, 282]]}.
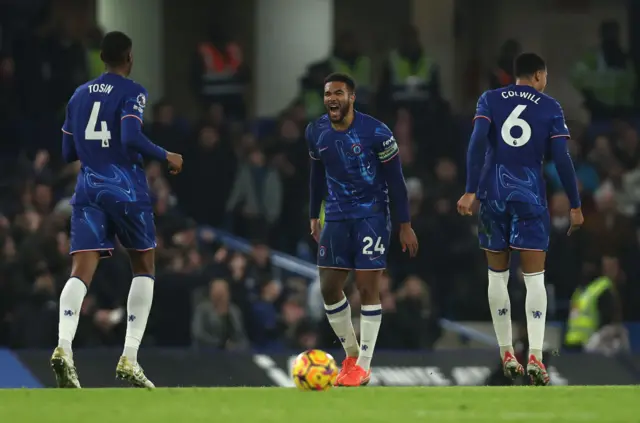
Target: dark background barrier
{"points": [[203, 368]]}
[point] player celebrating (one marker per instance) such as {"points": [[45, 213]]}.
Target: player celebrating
{"points": [[355, 159], [514, 127], [103, 130]]}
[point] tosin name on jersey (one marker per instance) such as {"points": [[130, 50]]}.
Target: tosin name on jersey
{"points": [[406, 375], [100, 88]]}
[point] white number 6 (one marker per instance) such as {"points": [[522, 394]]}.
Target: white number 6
{"points": [[368, 242], [514, 121]]}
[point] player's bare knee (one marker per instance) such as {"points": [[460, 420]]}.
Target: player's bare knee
{"points": [[532, 261], [332, 284], [84, 265], [498, 260], [368, 284], [142, 262]]}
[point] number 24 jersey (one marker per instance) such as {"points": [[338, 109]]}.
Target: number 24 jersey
{"points": [[524, 122]]}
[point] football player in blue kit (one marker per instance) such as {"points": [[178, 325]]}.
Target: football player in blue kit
{"points": [[355, 169], [514, 128], [103, 130]]}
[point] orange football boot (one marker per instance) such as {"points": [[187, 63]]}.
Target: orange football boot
{"points": [[356, 377], [347, 365]]}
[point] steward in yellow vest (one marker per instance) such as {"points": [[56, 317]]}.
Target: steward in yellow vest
{"points": [[606, 76], [312, 89], [585, 317], [410, 78], [348, 59]]}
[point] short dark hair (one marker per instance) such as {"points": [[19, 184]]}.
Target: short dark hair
{"points": [[342, 77], [527, 64], [115, 48]]}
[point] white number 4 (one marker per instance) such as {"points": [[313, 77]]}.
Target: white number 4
{"points": [[514, 121], [368, 242], [90, 132]]}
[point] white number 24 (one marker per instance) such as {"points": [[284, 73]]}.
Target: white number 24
{"points": [[515, 121], [368, 242], [90, 132]]}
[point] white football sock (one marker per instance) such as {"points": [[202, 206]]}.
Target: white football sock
{"points": [[370, 319], [339, 316], [70, 303], [536, 309], [500, 306], [138, 308]]}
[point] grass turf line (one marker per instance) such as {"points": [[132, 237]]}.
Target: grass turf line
{"points": [[370, 405]]}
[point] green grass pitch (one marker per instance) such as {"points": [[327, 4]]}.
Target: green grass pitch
{"points": [[389, 405]]}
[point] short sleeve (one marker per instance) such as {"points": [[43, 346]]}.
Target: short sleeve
{"points": [[135, 104], [558, 125], [384, 144], [313, 149], [482, 108]]}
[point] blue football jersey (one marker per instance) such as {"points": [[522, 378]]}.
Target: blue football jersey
{"points": [[352, 160], [523, 123], [109, 170]]}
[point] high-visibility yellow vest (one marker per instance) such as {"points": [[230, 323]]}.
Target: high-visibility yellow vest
{"points": [[410, 81], [584, 318], [360, 71], [613, 87]]}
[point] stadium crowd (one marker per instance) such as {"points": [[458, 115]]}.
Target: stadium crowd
{"points": [[253, 183]]}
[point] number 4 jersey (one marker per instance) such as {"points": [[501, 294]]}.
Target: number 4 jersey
{"points": [[110, 171], [523, 123]]}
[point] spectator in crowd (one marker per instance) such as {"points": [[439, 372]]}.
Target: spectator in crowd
{"points": [[221, 75], [348, 58], [410, 78], [291, 159], [256, 196], [217, 322], [416, 315], [502, 73], [606, 76], [265, 322]]}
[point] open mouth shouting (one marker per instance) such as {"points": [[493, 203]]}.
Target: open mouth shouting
{"points": [[334, 111]]}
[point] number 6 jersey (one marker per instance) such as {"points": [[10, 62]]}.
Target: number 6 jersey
{"points": [[110, 170], [523, 123]]}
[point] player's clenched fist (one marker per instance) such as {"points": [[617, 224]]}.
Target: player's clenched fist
{"points": [[465, 204], [175, 162]]}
